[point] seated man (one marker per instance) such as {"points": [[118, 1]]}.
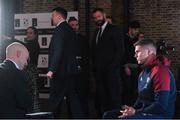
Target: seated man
{"points": [[14, 95], [156, 86]]}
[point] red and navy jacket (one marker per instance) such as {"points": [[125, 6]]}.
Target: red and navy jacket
{"points": [[156, 87]]}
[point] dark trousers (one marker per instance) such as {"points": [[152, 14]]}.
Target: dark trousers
{"points": [[115, 113], [108, 90], [130, 84], [82, 83], [70, 107]]}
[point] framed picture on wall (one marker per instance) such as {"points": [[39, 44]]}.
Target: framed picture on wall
{"points": [[42, 61], [44, 83], [44, 41], [34, 22], [17, 22]]}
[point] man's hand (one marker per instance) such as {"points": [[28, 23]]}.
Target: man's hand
{"points": [[49, 75], [127, 111]]}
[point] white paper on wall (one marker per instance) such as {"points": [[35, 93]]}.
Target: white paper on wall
{"points": [[38, 20]]}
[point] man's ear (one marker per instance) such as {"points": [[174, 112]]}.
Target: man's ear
{"points": [[18, 53], [150, 51]]}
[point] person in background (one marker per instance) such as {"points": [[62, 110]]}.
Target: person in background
{"points": [[14, 95], [141, 36], [131, 69], [63, 69], [156, 86], [83, 62], [31, 42], [109, 19], [107, 61]]}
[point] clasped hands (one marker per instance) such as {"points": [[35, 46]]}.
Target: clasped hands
{"points": [[127, 111]]}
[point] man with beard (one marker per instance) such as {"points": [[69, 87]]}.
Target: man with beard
{"points": [[14, 95], [107, 54]]}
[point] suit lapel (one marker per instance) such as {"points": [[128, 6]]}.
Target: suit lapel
{"points": [[104, 33]]}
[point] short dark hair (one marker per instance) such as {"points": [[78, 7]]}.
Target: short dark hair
{"points": [[98, 9], [34, 30], [134, 24], [145, 42], [62, 11], [72, 18]]}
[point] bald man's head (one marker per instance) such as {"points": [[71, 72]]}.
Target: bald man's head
{"points": [[18, 53]]}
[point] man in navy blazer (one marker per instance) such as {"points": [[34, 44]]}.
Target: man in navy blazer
{"points": [[107, 58], [15, 98], [62, 68]]}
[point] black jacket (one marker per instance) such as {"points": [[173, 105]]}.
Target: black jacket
{"points": [[109, 51], [14, 96], [33, 48], [129, 49], [107, 59], [62, 62]]}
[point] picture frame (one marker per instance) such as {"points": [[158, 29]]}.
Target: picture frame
{"points": [[44, 41], [43, 61]]}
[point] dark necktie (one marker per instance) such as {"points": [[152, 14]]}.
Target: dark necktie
{"points": [[99, 35]]}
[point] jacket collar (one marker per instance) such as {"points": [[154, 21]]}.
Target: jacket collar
{"points": [[153, 60]]}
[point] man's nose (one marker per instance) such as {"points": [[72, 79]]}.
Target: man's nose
{"points": [[135, 55]]}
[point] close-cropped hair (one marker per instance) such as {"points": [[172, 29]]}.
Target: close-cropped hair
{"points": [[146, 42], [61, 11], [98, 9], [16, 45]]}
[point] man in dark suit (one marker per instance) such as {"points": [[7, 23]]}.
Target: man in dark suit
{"points": [[131, 68], [63, 68], [107, 54], [15, 98], [83, 63]]}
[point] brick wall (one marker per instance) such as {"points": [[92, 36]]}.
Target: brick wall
{"points": [[160, 19], [38, 6]]}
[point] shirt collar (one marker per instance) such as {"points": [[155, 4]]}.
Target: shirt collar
{"points": [[104, 25], [14, 64], [60, 22]]}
